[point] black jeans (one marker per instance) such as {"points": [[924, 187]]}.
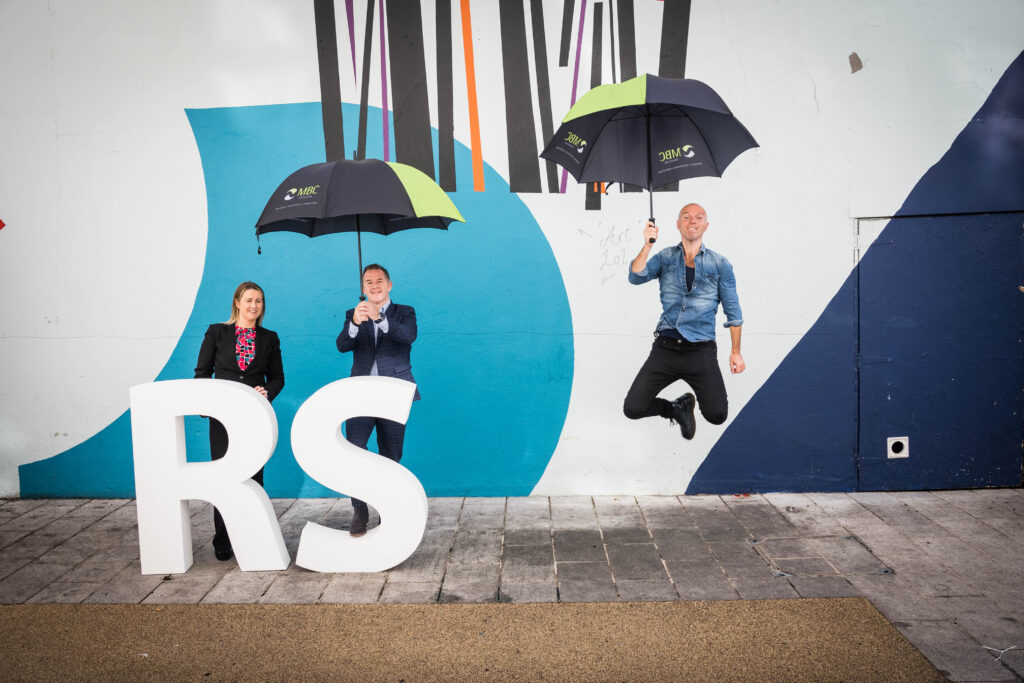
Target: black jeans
{"points": [[696, 363], [390, 439], [218, 447]]}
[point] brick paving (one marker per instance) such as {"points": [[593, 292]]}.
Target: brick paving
{"points": [[945, 567]]}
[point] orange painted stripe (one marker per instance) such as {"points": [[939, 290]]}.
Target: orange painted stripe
{"points": [[474, 116]]}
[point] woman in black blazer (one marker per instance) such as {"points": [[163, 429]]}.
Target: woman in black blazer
{"points": [[240, 350]]}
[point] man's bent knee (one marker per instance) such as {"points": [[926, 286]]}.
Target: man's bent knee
{"points": [[631, 410], [715, 417]]}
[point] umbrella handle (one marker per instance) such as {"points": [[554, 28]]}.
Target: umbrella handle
{"points": [[651, 240]]}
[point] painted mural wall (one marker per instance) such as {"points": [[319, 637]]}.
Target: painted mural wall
{"points": [[876, 235]]}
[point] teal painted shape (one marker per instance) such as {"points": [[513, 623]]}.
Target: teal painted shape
{"points": [[494, 357]]}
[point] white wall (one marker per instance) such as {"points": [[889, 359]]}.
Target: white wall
{"points": [[104, 200]]}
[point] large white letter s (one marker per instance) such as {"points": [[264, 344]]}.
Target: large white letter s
{"points": [[394, 491]]}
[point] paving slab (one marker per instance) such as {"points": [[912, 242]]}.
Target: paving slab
{"points": [[480, 515], [897, 598], [646, 591], [953, 652], [410, 592], [130, 586], [985, 620], [354, 588], [763, 588], [664, 512], [618, 511], [426, 564], [184, 589], [527, 513], [528, 591], [759, 517], [477, 547], [25, 582], [579, 545], [573, 512], [823, 587], [585, 582], [300, 587], [626, 534], [804, 515], [636, 561], [238, 587], [701, 582], [849, 556], [787, 548], [681, 544], [526, 563], [527, 537], [804, 566]]}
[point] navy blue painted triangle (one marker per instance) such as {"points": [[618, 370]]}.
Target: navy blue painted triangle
{"points": [[799, 432]]}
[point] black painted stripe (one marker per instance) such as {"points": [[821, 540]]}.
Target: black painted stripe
{"points": [[445, 98], [411, 106], [540, 59], [330, 81], [593, 192], [675, 30], [627, 39], [523, 169], [627, 56], [563, 51], [596, 52], [611, 36], [364, 96]]}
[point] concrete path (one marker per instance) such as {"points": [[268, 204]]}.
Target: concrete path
{"points": [[946, 567]]}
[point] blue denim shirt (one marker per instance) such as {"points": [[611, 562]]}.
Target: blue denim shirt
{"points": [[692, 313]]}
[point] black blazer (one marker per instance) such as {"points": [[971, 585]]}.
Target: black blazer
{"points": [[217, 359]]}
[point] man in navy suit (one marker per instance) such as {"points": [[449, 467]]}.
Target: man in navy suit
{"points": [[380, 334]]}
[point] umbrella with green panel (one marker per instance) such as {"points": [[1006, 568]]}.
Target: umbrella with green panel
{"points": [[648, 131], [357, 196]]}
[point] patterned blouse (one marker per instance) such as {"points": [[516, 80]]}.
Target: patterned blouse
{"points": [[245, 345]]}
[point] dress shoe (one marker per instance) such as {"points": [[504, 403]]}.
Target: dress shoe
{"points": [[223, 554], [360, 516], [682, 413]]}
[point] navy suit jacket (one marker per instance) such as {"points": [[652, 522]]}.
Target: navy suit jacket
{"points": [[391, 350], [217, 359]]}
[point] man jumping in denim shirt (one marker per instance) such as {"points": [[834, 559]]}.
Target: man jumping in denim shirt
{"points": [[694, 280]]}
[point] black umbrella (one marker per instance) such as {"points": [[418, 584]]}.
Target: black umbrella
{"points": [[356, 196], [648, 131]]}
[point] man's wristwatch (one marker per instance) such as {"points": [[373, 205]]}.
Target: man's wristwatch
{"points": [[380, 317]]}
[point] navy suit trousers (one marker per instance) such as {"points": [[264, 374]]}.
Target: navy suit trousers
{"points": [[390, 438]]}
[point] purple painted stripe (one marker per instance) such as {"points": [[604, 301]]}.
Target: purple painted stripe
{"points": [[384, 83], [351, 34], [576, 73]]}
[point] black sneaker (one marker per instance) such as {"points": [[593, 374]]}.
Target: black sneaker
{"points": [[682, 414]]}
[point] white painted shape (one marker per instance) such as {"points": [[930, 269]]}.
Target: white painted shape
{"points": [[165, 482], [394, 491]]}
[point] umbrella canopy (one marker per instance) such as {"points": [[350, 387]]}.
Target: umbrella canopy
{"points": [[349, 196], [648, 131], [356, 196]]}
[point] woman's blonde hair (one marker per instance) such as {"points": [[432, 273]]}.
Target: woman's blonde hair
{"points": [[238, 295]]}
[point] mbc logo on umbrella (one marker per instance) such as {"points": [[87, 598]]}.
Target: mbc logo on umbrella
{"points": [[670, 154], [576, 141], [300, 192]]}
